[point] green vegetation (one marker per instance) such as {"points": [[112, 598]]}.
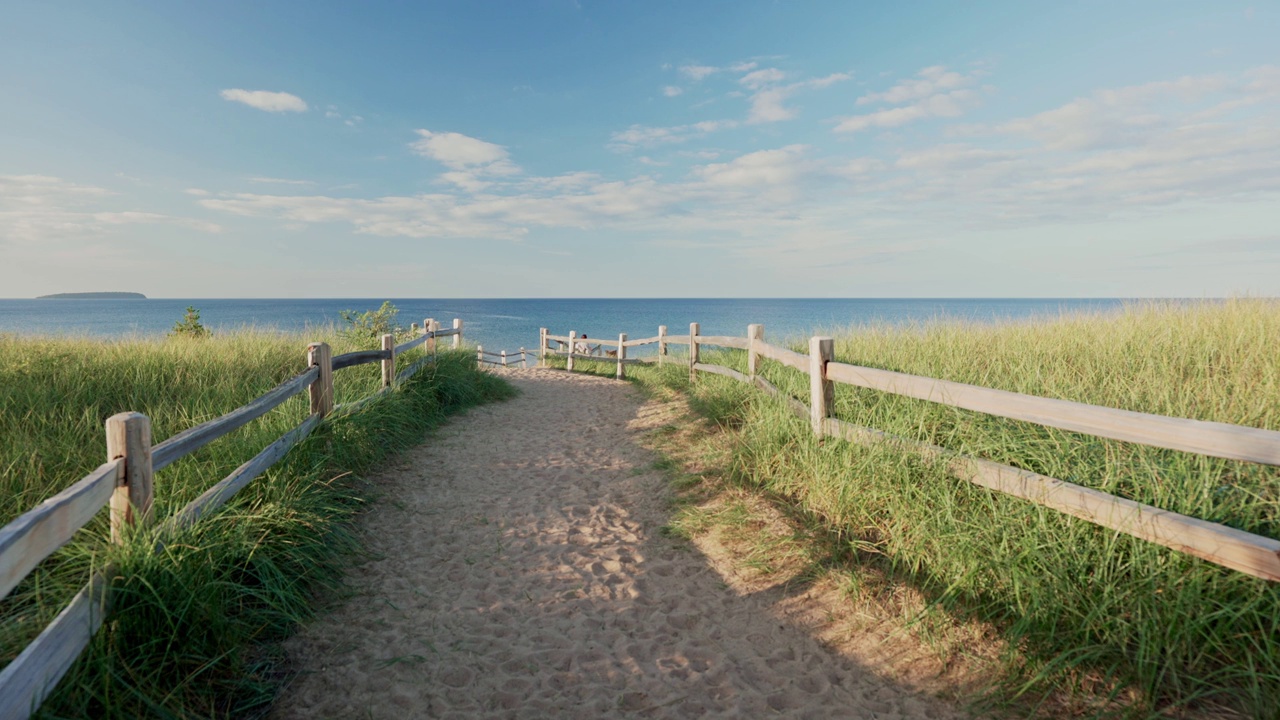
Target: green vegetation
{"points": [[190, 326], [194, 628], [369, 326], [1086, 613]]}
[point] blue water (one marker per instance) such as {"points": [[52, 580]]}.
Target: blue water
{"points": [[511, 324]]}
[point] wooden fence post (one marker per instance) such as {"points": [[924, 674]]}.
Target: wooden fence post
{"points": [[430, 326], [755, 333], [622, 355], [693, 351], [321, 390], [457, 339], [821, 390], [542, 347], [662, 342], [524, 359], [479, 356], [129, 437], [573, 334], [504, 358], [388, 362]]}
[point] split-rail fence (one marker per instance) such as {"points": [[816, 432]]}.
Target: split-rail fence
{"points": [[1256, 555], [125, 482]]}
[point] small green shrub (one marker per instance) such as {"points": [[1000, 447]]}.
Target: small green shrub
{"points": [[190, 326], [370, 325]]}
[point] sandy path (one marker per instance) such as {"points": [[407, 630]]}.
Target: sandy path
{"points": [[520, 573]]}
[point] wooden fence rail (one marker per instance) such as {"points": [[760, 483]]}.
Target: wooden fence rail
{"points": [[125, 483], [1256, 555]]}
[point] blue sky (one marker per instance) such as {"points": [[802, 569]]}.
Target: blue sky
{"points": [[606, 149]]}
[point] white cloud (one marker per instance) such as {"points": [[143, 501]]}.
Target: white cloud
{"points": [[929, 81], [1202, 142], [698, 72], [37, 209], [1117, 117], [950, 104], [952, 157], [1116, 152], [643, 136], [767, 106], [671, 91], [464, 153], [275, 102], [760, 78], [767, 103], [279, 181], [934, 92], [783, 166]]}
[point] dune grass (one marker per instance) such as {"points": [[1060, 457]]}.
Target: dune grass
{"points": [[193, 628], [1086, 612]]}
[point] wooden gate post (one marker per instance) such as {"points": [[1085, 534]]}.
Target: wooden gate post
{"points": [[573, 334], [129, 437], [693, 351], [321, 390], [524, 359], [429, 325], [755, 334], [542, 347], [388, 362], [821, 390], [662, 342], [457, 338], [622, 355]]}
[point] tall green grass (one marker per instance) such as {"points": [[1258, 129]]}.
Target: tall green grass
{"points": [[193, 628], [1081, 606]]}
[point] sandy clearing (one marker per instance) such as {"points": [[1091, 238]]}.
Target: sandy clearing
{"points": [[519, 572]]}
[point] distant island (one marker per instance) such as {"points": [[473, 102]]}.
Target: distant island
{"points": [[94, 296]]}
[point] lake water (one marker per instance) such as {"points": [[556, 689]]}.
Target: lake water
{"points": [[511, 324]]}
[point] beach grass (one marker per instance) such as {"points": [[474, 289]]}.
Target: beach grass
{"points": [[194, 627], [1126, 627]]}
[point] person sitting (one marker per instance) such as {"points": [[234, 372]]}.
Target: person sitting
{"points": [[581, 347]]}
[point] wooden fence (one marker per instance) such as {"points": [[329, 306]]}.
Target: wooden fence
{"points": [[125, 482], [1229, 547], [521, 356]]}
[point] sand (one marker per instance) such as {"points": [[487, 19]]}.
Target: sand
{"points": [[519, 571]]}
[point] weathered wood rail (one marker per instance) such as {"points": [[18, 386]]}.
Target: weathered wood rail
{"points": [[125, 482], [503, 358], [1249, 553]]}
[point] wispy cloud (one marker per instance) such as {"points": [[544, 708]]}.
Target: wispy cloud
{"points": [[934, 92], [36, 209], [351, 121], [644, 136], [1116, 117], [274, 102], [471, 160], [280, 181], [672, 91], [696, 73], [760, 78]]}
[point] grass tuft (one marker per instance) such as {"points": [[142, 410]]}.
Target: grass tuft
{"points": [[194, 628], [1120, 626]]}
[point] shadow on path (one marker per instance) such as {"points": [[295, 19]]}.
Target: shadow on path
{"points": [[519, 572]]}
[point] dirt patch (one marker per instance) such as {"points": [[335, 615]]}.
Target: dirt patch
{"points": [[521, 570]]}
